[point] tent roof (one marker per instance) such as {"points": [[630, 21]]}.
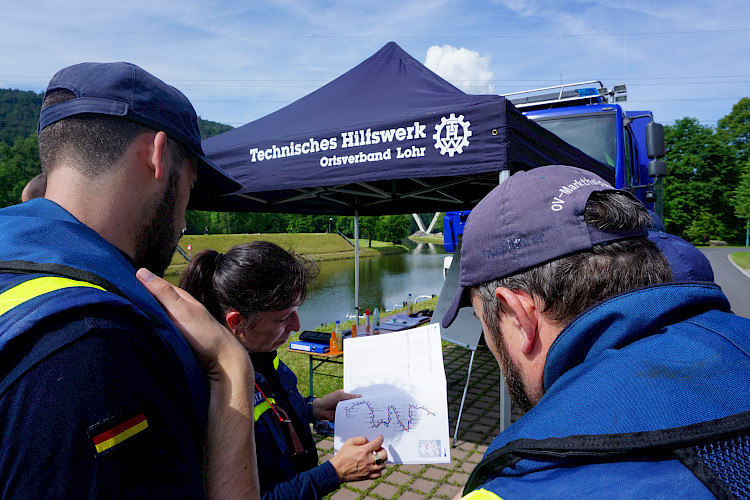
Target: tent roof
{"points": [[389, 136]]}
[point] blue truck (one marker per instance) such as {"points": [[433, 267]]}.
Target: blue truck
{"points": [[588, 116]]}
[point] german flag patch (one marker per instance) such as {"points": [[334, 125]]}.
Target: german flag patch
{"points": [[112, 432]]}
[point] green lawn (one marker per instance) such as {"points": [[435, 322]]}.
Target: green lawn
{"points": [[742, 259], [320, 246], [432, 238]]}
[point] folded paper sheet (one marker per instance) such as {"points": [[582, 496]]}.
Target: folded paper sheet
{"points": [[401, 379]]}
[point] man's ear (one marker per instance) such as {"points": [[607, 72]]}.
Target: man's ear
{"points": [[233, 319], [522, 309], [156, 156]]}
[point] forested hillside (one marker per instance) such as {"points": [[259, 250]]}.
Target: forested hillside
{"points": [[707, 190], [19, 112], [19, 152]]}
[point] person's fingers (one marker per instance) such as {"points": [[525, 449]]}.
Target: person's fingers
{"points": [[162, 290], [376, 443], [343, 396], [358, 440]]}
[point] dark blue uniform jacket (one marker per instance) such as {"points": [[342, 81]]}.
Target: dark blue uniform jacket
{"points": [[647, 396], [283, 476], [100, 395]]}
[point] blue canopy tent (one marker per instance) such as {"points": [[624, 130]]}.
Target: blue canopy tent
{"points": [[387, 137]]}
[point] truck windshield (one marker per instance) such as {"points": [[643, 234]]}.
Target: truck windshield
{"points": [[594, 134]]}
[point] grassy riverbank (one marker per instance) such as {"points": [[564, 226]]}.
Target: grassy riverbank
{"points": [[430, 238], [320, 246], [742, 259]]}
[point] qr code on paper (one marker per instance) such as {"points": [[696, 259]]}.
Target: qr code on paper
{"points": [[429, 448]]}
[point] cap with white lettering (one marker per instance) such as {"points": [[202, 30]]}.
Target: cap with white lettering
{"points": [[532, 218]]}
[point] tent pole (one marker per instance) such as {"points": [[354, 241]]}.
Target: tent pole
{"points": [[356, 264]]}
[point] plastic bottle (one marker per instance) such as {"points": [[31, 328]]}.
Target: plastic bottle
{"points": [[339, 337], [410, 305], [332, 343], [376, 321], [368, 331]]}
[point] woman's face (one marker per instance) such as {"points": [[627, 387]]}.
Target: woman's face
{"points": [[271, 330]]}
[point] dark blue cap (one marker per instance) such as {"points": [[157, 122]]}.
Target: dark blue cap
{"points": [[532, 218], [687, 262], [127, 91]]}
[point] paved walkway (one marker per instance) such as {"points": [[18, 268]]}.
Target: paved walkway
{"points": [[479, 425]]}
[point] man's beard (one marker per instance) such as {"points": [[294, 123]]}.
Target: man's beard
{"points": [[158, 239], [511, 373]]}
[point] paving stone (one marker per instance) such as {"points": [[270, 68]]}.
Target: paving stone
{"points": [[458, 454], [447, 490], [325, 445], [422, 485], [459, 477], [468, 467], [412, 495], [385, 490], [435, 474], [398, 477], [472, 436], [361, 485], [464, 445], [344, 494], [412, 469], [482, 448]]}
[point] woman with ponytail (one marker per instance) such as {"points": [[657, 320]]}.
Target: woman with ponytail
{"points": [[254, 289]]}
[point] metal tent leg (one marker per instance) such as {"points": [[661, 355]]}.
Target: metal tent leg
{"points": [[463, 398]]}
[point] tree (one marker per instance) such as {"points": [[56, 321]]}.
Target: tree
{"points": [[301, 223], [18, 164], [734, 129], [393, 227], [703, 173], [19, 114], [368, 225], [208, 128], [742, 195], [705, 227]]}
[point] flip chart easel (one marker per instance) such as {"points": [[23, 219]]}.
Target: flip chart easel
{"points": [[465, 331]]}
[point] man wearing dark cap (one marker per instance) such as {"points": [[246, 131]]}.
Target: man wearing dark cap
{"points": [[634, 386], [100, 394]]}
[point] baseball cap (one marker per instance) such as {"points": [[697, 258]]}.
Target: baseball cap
{"points": [[533, 217], [687, 262], [125, 90]]}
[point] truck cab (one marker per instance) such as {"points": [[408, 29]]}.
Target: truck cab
{"points": [[588, 116]]}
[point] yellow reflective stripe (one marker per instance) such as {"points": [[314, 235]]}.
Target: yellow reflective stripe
{"points": [[276, 363], [34, 288], [261, 408], [481, 495]]}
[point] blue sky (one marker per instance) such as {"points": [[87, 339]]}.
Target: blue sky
{"points": [[240, 60]]}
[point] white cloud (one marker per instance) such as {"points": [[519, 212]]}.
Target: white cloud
{"points": [[464, 68]]}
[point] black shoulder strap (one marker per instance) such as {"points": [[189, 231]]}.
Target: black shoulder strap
{"points": [[665, 443], [27, 267]]}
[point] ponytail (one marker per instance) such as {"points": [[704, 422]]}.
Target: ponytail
{"points": [[198, 281]]}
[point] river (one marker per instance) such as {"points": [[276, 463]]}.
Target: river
{"points": [[385, 281]]}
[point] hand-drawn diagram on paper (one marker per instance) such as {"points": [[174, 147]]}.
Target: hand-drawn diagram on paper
{"points": [[401, 381], [402, 418]]}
